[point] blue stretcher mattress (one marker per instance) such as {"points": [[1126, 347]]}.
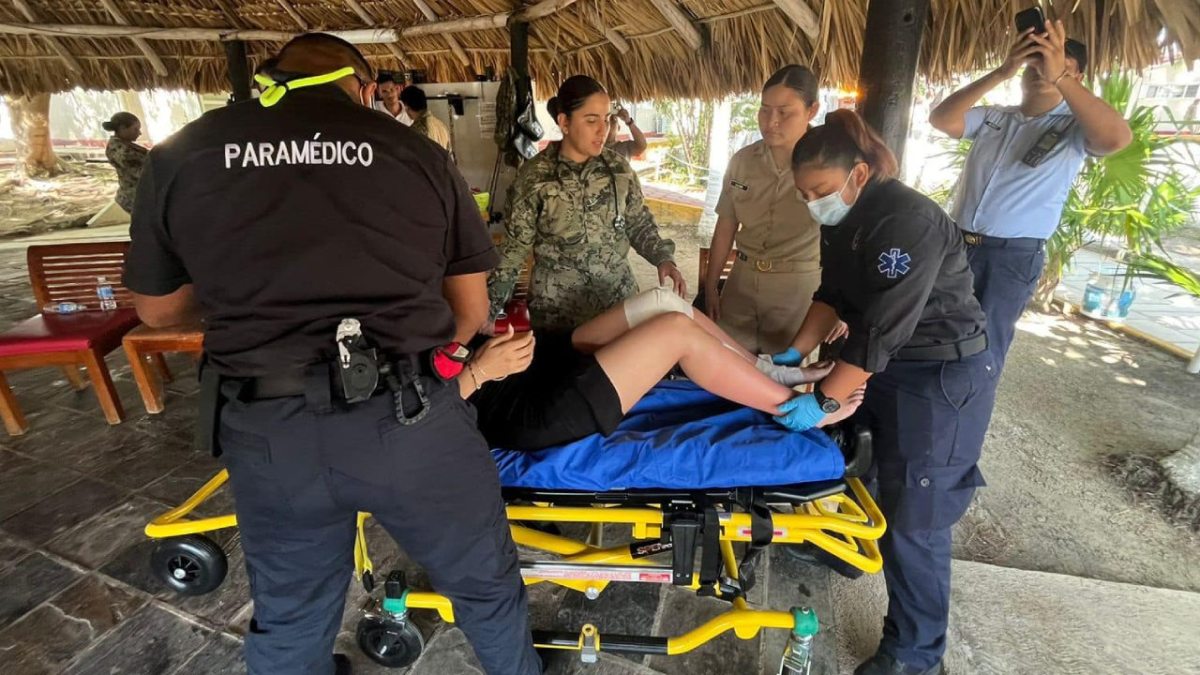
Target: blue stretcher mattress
{"points": [[679, 437]]}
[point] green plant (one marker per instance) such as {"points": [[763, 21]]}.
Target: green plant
{"points": [[1158, 267], [690, 120], [1134, 196]]}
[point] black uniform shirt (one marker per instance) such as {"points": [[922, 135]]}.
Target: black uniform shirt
{"points": [[895, 269], [290, 218]]}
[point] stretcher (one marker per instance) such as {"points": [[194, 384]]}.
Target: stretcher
{"points": [[695, 479]]}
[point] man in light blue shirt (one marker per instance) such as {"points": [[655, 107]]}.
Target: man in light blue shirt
{"points": [[1021, 166]]}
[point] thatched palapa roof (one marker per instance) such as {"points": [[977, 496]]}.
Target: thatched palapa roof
{"points": [[639, 48]]}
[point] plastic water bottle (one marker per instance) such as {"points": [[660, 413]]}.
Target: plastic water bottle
{"points": [[797, 656], [63, 308], [104, 291]]}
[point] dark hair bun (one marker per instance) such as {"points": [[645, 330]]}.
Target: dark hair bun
{"points": [[109, 126], [553, 106]]}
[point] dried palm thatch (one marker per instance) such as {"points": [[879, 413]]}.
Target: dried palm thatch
{"points": [[743, 40]]}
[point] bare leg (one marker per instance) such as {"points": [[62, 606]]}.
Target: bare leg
{"points": [[638, 360], [612, 324]]}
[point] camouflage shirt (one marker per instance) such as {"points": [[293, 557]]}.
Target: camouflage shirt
{"points": [[127, 158], [580, 233]]}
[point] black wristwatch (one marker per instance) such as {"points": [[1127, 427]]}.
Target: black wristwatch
{"points": [[828, 405]]}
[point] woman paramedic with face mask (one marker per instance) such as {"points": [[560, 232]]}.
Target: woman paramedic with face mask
{"points": [[894, 268]]}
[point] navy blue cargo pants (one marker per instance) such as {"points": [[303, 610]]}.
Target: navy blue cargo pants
{"points": [[928, 419], [1006, 275], [299, 476]]}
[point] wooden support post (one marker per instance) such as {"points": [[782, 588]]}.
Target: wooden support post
{"points": [[681, 22], [519, 47], [238, 69], [892, 45]]}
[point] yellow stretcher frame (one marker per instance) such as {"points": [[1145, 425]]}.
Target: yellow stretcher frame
{"points": [[846, 525]]}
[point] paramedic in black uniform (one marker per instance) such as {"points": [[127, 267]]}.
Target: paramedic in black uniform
{"points": [[263, 219], [894, 268]]}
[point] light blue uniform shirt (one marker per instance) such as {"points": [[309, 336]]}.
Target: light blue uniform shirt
{"points": [[1001, 196]]}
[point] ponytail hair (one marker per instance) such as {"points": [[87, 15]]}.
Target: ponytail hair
{"points": [[843, 141], [571, 95], [119, 121]]}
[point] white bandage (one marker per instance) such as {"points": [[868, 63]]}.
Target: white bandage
{"points": [[661, 300]]}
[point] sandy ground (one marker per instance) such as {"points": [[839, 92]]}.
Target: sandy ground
{"points": [[32, 206]]}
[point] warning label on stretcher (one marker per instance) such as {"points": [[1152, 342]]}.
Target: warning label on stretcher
{"points": [[745, 532], [576, 574]]}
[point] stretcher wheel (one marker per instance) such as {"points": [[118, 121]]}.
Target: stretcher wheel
{"points": [[393, 644], [189, 565]]}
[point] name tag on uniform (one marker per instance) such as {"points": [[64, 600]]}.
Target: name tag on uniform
{"points": [[740, 186]]}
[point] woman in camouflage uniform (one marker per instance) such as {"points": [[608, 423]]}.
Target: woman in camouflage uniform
{"points": [[126, 156], [578, 207]]}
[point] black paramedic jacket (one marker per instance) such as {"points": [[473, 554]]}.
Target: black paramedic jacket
{"points": [[895, 270], [290, 218]]}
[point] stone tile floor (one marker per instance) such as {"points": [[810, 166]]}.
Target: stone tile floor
{"points": [[76, 590]]}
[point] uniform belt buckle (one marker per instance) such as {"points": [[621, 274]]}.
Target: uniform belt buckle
{"points": [[972, 239], [763, 265]]}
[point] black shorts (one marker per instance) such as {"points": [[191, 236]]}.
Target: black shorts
{"points": [[563, 397]]}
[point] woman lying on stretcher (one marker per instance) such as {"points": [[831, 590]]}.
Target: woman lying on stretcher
{"points": [[533, 393]]}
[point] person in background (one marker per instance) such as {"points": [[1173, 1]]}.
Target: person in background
{"points": [[389, 98], [1021, 165], [424, 123], [579, 208], [627, 149], [126, 156], [778, 263]]}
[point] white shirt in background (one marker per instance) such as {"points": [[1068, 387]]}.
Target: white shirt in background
{"points": [[402, 118]]}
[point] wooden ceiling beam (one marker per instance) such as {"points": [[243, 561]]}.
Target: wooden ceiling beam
{"points": [[451, 41], [802, 15], [51, 42], [370, 21], [681, 22], [143, 46], [291, 11]]}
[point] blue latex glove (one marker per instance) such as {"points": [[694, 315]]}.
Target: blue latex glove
{"points": [[800, 413], [789, 358]]}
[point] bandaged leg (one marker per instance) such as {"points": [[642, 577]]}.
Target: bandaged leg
{"points": [[649, 304]]}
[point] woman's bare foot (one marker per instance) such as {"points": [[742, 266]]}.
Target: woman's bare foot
{"points": [[848, 408]]}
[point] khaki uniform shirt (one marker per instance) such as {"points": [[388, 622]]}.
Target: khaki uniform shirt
{"points": [[432, 128], [775, 222], [580, 221]]}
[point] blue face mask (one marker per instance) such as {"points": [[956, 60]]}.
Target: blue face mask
{"points": [[831, 209]]}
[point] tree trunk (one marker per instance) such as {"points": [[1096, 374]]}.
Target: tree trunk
{"points": [[718, 161], [31, 128]]}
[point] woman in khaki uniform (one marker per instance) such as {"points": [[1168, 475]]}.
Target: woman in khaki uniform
{"points": [[777, 268]]}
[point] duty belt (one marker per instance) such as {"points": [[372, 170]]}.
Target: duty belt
{"points": [[299, 382], [955, 351], [766, 266], [1016, 243]]}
